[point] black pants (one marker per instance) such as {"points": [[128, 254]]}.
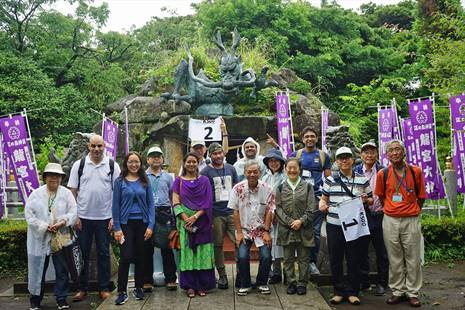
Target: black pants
{"points": [[338, 248], [376, 237], [132, 252], [169, 264]]}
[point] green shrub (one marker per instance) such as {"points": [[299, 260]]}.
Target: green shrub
{"points": [[444, 237], [13, 255]]}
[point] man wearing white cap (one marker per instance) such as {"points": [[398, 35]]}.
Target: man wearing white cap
{"points": [[340, 187], [161, 183]]}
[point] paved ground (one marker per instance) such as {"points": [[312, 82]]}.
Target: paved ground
{"points": [[160, 298]]}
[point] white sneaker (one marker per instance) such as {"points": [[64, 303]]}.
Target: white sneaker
{"points": [[243, 291], [313, 268], [264, 289]]}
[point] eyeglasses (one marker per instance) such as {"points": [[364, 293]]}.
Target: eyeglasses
{"points": [[96, 146], [395, 149]]}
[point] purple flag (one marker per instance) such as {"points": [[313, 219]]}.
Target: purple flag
{"points": [[324, 128], [421, 114], [110, 137], [409, 140], [385, 132], [395, 123], [17, 145], [3, 177], [284, 125], [457, 110]]}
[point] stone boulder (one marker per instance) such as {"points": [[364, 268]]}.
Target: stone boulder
{"points": [[151, 109]]}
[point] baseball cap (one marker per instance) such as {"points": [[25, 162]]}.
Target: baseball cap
{"points": [[368, 144], [215, 146], [197, 142], [154, 149], [344, 150]]}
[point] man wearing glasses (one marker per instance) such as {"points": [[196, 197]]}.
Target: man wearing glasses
{"points": [[91, 182], [401, 189]]}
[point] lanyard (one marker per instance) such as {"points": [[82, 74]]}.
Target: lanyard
{"points": [[222, 177], [401, 181], [51, 201], [155, 184]]}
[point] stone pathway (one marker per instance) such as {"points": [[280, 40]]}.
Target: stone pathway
{"points": [[160, 298]]}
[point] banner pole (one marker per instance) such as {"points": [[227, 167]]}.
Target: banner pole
{"points": [[127, 129], [290, 119], [381, 148], [433, 101], [32, 146], [103, 123]]}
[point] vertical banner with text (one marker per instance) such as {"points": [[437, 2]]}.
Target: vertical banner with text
{"points": [[424, 128], [284, 123], [324, 128], [18, 147], [409, 140], [384, 133], [457, 111], [110, 137], [3, 178]]}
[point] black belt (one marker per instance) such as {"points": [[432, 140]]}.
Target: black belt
{"points": [[377, 213]]}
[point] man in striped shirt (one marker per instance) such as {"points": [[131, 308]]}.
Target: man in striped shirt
{"points": [[339, 187]]}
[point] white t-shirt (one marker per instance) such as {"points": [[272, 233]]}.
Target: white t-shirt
{"points": [[94, 196]]}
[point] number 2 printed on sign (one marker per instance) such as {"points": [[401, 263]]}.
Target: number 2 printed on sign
{"points": [[209, 131]]}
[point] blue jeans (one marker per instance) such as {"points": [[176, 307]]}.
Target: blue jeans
{"points": [[317, 221], [61, 279], [99, 228], [243, 262]]}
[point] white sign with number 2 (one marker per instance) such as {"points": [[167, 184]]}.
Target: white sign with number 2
{"points": [[205, 130]]}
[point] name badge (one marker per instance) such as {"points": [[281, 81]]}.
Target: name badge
{"points": [[396, 198], [224, 195], [306, 174]]}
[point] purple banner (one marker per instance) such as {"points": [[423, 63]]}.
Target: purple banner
{"points": [[385, 125], [17, 145], [3, 177], [388, 129], [324, 128], [457, 111], [284, 124], [409, 140], [110, 137], [423, 124]]}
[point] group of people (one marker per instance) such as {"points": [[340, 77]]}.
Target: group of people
{"points": [[276, 204]]}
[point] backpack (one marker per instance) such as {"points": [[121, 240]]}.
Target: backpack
{"points": [[81, 170], [385, 176], [320, 152]]}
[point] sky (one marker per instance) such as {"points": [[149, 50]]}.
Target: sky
{"points": [[127, 13]]}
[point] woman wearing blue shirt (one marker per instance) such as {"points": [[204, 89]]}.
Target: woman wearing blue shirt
{"points": [[133, 220]]}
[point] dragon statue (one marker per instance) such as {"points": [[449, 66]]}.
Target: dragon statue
{"points": [[210, 98]]}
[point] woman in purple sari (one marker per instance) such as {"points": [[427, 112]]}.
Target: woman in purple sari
{"points": [[192, 200]]}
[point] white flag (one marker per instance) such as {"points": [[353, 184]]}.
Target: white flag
{"points": [[353, 219]]}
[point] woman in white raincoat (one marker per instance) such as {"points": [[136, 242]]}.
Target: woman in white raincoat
{"points": [[48, 208]]}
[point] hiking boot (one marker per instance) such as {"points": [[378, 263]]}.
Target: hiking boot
{"points": [[301, 290], [34, 306], [62, 304], [121, 299], [138, 293], [264, 289], [243, 291], [291, 289], [223, 282]]}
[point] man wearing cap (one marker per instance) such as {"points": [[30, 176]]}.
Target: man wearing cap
{"points": [[369, 168], [91, 182], [401, 189], [161, 183], [343, 186], [251, 151], [222, 178], [315, 165]]}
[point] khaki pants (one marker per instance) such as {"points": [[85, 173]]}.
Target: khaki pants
{"points": [[402, 237], [303, 260], [222, 225]]}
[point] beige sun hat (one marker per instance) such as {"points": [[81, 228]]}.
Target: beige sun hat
{"points": [[54, 168]]}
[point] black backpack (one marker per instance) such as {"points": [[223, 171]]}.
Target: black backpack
{"points": [[81, 170]]}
